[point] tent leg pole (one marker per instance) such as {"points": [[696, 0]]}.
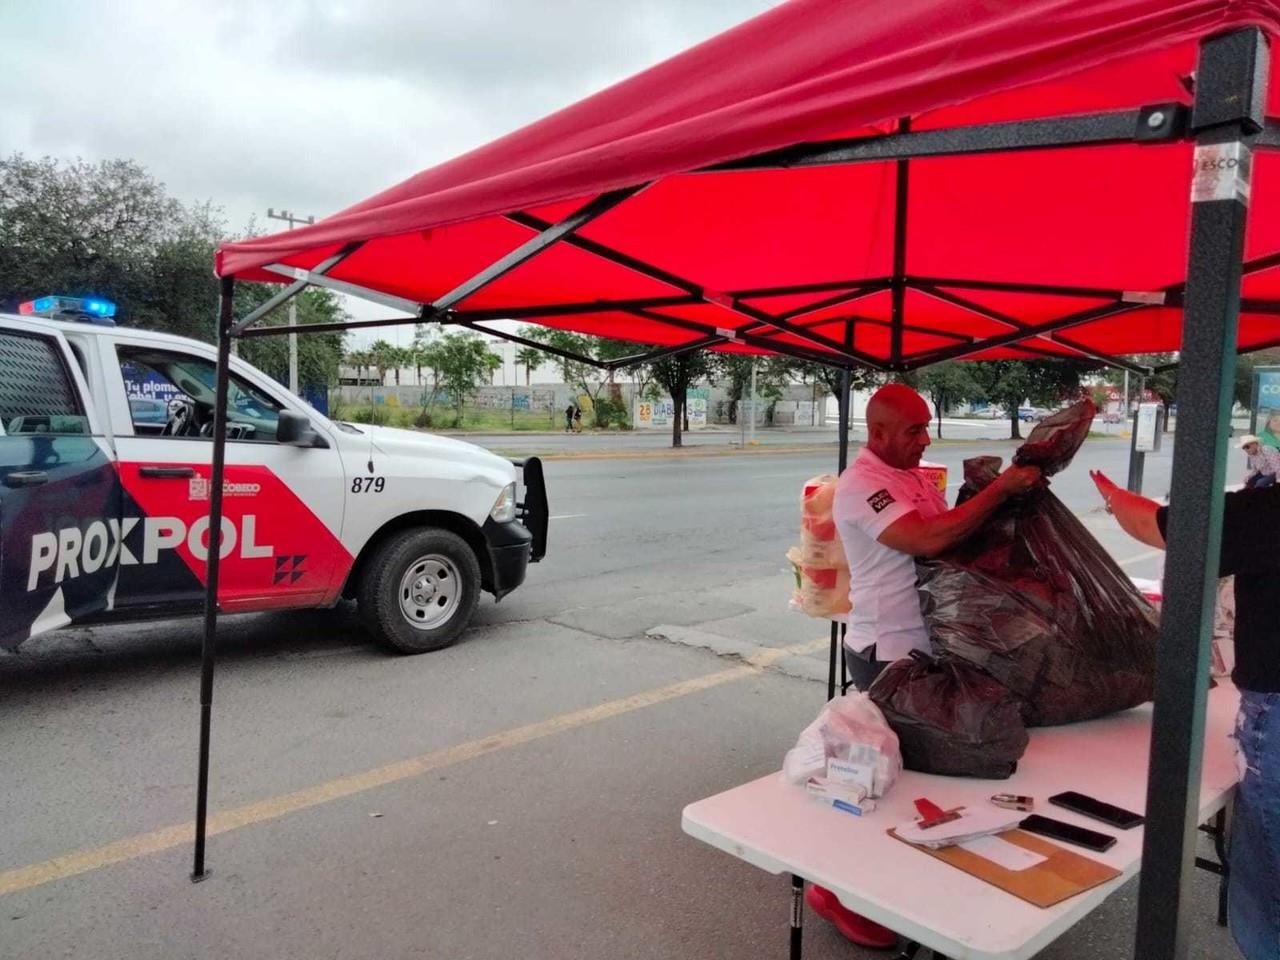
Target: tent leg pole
{"points": [[843, 403], [226, 304], [797, 916], [1231, 82], [831, 666]]}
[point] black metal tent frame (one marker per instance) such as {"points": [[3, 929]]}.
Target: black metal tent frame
{"points": [[1229, 98]]}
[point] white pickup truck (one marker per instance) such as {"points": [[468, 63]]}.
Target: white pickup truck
{"points": [[105, 448]]}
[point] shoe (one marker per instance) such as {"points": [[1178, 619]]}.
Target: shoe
{"points": [[863, 932]]}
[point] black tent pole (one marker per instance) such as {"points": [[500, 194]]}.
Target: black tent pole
{"points": [[899, 282], [208, 648], [844, 404], [1231, 86]]}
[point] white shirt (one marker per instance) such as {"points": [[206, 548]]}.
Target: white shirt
{"points": [[870, 496], [1265, 462]]}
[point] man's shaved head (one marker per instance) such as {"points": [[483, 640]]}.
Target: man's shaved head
{"points": [[898, 425]]}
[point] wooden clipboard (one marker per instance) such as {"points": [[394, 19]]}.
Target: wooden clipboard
{"points": [[1060, 877]]}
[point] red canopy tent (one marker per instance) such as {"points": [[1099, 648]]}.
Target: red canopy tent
{"points": [[887, 185], [750, 185]]}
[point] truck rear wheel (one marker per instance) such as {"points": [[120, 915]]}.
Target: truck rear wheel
{"points": [[420, 589]]}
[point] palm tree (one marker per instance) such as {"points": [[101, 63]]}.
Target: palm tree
{"points": [[400, 357], [532, 358], [358, 359], [383, 356]]}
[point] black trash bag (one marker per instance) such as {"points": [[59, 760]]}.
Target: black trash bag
{"points": [[950, 717], [1035, 601]]}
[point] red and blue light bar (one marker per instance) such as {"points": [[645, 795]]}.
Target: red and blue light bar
{"points": [[91, 308]]}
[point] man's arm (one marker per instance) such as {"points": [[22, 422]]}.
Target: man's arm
{"points": [[921, 537], [1136, 514]]}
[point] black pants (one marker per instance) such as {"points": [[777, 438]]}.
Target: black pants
{"points": [[863, 667]]}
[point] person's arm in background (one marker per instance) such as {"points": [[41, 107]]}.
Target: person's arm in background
{"points": [[921, 537], [1135, 513]]}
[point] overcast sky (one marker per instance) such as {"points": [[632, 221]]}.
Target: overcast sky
{"points": [[311, 106]]}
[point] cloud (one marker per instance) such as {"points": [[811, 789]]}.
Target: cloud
{"points": [[314, 106]]}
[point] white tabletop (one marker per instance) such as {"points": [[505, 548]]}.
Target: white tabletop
{"points": [[779, 828]]}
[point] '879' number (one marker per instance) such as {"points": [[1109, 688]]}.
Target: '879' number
{"points": [[368, 484]]}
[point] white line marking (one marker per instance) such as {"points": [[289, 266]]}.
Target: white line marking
{"points": [[566, 516]]}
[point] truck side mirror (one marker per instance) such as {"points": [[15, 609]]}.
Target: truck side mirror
{"points": [[295, 430]]}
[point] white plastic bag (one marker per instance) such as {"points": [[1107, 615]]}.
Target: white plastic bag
{"points": [[852, 731]]}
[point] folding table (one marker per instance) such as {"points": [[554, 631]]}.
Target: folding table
{"points": [[776, 826]]}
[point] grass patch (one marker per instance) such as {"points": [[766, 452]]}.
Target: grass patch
{"points": [[474, 419]]}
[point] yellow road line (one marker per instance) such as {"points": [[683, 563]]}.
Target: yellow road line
{"points": [[166, 838]]}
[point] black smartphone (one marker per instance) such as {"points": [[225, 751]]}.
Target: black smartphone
{"points": [[1068, 833], [1097, 810]]}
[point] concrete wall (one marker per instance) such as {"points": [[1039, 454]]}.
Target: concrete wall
{"points": [[796, 408]]}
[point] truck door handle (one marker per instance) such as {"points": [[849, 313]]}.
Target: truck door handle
{"points": [[166, 473], [26, 478]]}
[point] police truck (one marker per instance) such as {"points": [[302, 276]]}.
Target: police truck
{"points": [[105, 449]]}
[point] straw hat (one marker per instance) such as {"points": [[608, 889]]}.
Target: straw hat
{"points": [[1247, 439]]}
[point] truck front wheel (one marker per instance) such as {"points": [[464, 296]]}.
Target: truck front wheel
{"points": [[420, 589]]}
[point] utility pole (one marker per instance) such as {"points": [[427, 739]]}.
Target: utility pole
{"points": [[293, 301], [753, 402]]}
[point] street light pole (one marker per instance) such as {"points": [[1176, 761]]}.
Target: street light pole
{"points": [[293, 301]]}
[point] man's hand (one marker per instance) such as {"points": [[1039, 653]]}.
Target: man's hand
{"points": [[1018, 480], [1105, 486]]}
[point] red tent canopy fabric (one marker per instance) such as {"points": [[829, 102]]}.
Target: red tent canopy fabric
{"points": [[991, 242]]}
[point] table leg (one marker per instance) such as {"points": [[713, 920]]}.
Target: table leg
{"points": [[1220, 847], [1218, 830], [797, 916]]}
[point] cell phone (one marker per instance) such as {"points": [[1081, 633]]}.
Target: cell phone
{"points": [[1068, 833], [1097, 810]]}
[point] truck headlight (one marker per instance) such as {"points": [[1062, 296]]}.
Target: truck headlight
{"points": [[504, 509]]}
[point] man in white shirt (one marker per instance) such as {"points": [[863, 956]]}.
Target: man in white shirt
{"points": [[888, 514], [1262, 463]]}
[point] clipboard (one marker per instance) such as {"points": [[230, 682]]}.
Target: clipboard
{"points": [[1060, 877]]}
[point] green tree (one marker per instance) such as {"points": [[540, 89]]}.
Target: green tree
{"points": [[319, 354], [947, 384], [1245, 365], [583, 377], [383, 356], [465, 365], [107, 229], [531, 358], [677, 374], [1010, 382], [733, 371]]}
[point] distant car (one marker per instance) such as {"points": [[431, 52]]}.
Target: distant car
{"points": [[1112, 417], [1032, 414]]}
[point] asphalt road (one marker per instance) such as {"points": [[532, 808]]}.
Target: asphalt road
{"points": [[516, 795], [595, 441]]}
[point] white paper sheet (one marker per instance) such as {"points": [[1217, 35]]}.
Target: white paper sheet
{"points": [[1003, 853], [972, 823]]}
